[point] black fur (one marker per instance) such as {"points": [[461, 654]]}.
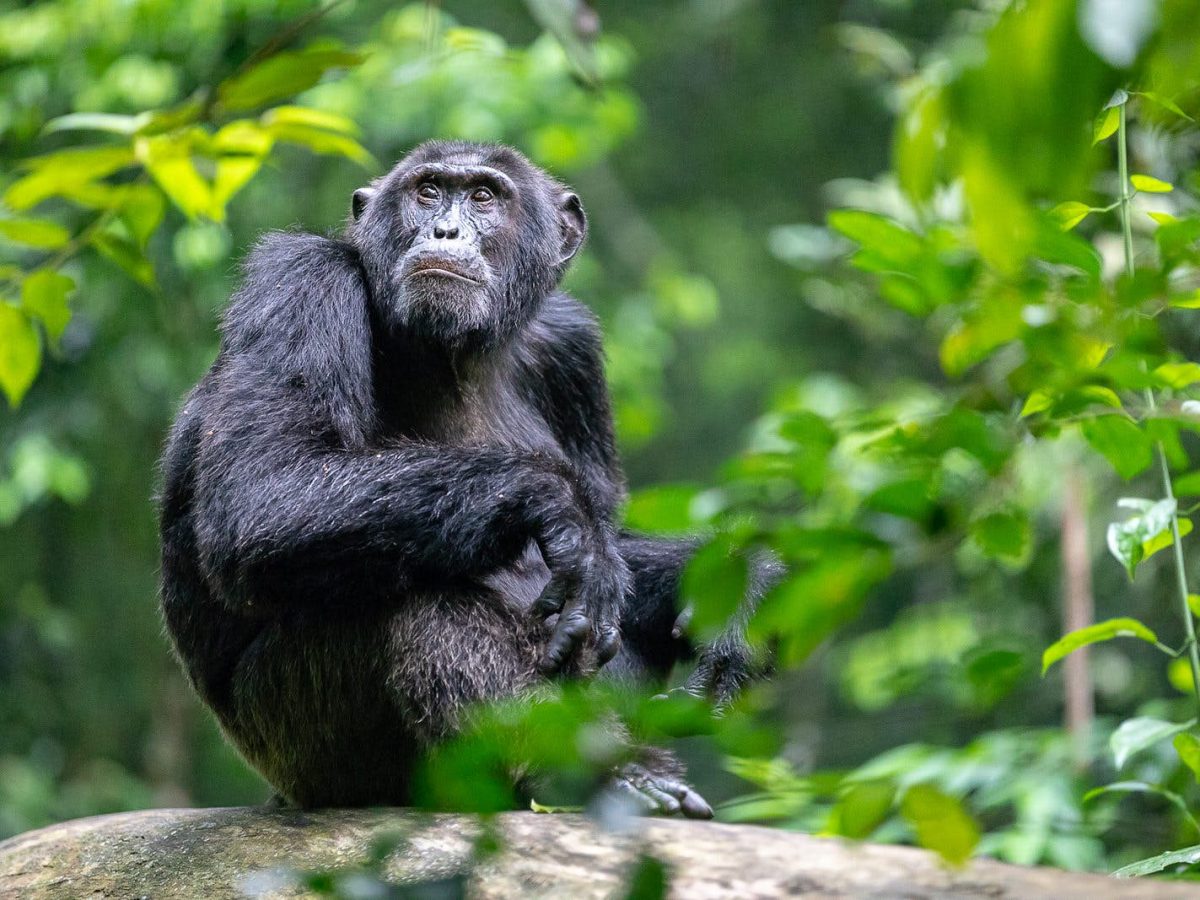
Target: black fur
{"points": [[387, 465]]}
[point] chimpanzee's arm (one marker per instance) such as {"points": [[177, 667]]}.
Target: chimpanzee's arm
{"points": [[564, 365]]}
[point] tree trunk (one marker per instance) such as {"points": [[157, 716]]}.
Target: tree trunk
{"points": [[259, 852]]}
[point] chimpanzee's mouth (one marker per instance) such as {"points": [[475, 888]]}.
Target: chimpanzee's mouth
{"points": [[440, 267]]}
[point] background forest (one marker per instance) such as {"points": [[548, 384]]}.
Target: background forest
{"points": [[905, 289]]}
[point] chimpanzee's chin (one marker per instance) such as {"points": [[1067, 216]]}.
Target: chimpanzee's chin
{"points": [[443, 310]]}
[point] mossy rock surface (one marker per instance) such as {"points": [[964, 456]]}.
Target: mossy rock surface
{"points": [[256, 852]]}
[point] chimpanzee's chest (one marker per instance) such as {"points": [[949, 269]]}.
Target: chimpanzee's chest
{"points": [[489, 415]]}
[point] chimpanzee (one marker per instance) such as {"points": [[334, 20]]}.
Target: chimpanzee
{"points": [[393, 494]]}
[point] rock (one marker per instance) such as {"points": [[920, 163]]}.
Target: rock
{"points": [[252, 851]]}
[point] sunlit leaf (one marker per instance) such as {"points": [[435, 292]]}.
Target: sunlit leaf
{"points": [[233, 173], [282, 75], [44, 296], [20, 352], [35, 233], [168, 159], [1162, 218], [1070, 214], [1093, 634], [1106, 124], [915, 147], [319, 140], [1039, 401], [1186, 856], [1127, 448], [142, 210], [110, 122], [1151, 185], [54, 173], [941, 823], [881, 236], [1165, 538], [1187, 745], [313, 118], [1128, 540], [1178, 374], [1140, 733], [243, 137]]}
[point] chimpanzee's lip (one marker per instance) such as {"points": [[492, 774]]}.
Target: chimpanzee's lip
{"points": [[440, 267]]}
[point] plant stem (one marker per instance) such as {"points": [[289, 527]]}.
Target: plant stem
{"points": [[1123, 171], [1189, 624]]}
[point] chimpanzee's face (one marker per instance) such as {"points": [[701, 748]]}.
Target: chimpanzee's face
{"points": [[460, 246]]}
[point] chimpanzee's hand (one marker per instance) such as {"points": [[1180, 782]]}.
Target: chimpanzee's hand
{"points": [[587, 591]]}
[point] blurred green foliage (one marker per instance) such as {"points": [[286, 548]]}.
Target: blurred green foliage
{"points": [[886, 378]]}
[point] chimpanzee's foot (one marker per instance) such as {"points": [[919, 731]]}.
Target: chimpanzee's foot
{"points": [[655, 785]]}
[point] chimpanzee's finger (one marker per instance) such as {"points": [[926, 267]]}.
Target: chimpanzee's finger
{"points": [[608, 643], [572, 627]]}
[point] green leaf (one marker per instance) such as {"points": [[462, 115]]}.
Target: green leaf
{"points": [[35, 233], [1127, 540], [1150, 184], [1127, 448], [1093, 634], [1006, 535], [1140, 733], [714, 584], [233, 173], [44, 296], [940, 822], [20, 352], [663, 509], [1186, 856], [1178, 375], [649, 880], [110, 122], [168, 159], [1070, 214], [1187, 745], [862, 809], [894, 245], [1038, 401], [1166, 103], [1165, 539], [1106, 124], [909, 498], [141, 209], [1187, 485], [1141, 787], [313, 118], [126, 255], [319, 140], [56, 173], [282, 75]]}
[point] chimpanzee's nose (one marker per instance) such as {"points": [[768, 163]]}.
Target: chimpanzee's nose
{"points": [[445, 231]]}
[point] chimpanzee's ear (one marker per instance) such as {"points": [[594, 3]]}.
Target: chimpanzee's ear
{"points": [[359, 201], [572, 225]]}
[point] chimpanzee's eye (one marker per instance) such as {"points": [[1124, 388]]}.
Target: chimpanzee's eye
{"points": [[428, 191], [481, 195]]}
